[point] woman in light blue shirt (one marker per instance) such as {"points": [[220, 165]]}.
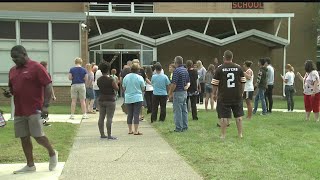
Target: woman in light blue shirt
{"points": [[133, 85]]}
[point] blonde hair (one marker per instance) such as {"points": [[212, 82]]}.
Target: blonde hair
{"points": [[199, 64], [135, 67], [78, 61], [135, 61], [289, 67], [89, 67]]}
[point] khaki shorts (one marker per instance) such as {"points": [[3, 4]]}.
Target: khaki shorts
{"points": [[28, 126], [78, 90]]}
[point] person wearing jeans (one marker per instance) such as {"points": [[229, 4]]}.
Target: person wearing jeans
{"points": [[180, 84], [201, 72], [108, 87], [133, 85], [261, 84], [288, 80]]}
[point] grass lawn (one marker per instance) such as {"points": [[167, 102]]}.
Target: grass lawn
{"points": [[61, 136], [278, 146]]}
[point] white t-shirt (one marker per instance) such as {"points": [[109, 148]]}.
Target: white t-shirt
{"points": [[270, 75], [95, 85], [290, 77], [248, 86], [308, 82]]}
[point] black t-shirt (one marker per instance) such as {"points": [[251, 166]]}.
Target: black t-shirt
{"points": [[229, 78], [142, 73], [193, 75], [106, 89]]}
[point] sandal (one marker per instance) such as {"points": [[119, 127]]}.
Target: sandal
{"points": [[141, 118], [130, 132], [139, 133]]}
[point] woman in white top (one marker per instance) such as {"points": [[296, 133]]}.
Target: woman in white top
{"points": [[288, 80], [248, 87], [311, 90]]}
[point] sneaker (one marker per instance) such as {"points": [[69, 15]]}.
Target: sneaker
{"points": [[112, 138], [53, 161], [85, 116], [25, 169], [71, 116]]}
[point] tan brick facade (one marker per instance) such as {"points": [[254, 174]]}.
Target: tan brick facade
{"points": [[43, 6]]}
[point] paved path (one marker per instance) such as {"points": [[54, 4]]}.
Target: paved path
{"points": [[131, 157]]}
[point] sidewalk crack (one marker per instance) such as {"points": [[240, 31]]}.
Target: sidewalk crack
{"points": [[123, 154]]}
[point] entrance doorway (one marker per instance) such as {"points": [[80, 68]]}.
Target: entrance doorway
{"points": [[117, 58]]}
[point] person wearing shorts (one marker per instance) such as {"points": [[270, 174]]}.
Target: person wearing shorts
{"points": [[248, 87], [78, 75], [311, 90], [31, 87], [229, 81]]}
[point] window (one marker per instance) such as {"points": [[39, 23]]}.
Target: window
{"points": [[32, 30], [7, 30], [65, 31]]}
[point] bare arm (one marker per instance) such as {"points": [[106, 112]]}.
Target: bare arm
{"points": [[214, 92], [53, 95], [299, 76], [47, 94], [70, 76], [85, 78], [115, 85], [148, 81], [247, 75]]}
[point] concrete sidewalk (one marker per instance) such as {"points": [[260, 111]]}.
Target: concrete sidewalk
{"points": [[131, 157]]}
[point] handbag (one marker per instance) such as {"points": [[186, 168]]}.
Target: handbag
{"points": [[124, 108], [2, 120]]}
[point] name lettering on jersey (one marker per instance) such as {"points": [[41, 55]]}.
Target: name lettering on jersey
{"points": [[229, 69]]}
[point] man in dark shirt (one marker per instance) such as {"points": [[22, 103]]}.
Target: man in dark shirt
{"points": [[31, 87], [261, 84], [229, 81], [179, 85]]}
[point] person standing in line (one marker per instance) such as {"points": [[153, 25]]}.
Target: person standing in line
{"points": [[270, 81], [208, 87], [171, 69], [261, 84], [143, 75], [311, 90], [179, 85], [193, 90], [126, 70], [288, 80], [160, 83], [115, 77], [89, 90], [31, 87], [94, 70], [78, 75], [108, 87], [133, 85], [201, 72], [97, 75], [229, 81], [149, 89], [45, 65], [248, 87]]}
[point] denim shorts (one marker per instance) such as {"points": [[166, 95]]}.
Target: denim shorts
{"points": [[89, 93]]}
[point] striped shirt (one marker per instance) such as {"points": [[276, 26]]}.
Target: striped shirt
{"points": [[180, 77]]}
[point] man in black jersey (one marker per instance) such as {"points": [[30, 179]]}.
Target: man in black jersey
{"points": [[229, 81]]}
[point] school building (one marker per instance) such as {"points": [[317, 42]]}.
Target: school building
{"points": [[57, 32]]}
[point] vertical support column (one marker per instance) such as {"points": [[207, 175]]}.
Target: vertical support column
{"points": [[207, 25], [141, 25], [18, 42], [50, 48], [110, 7], [289, 29], [234, 26], [155, 58], [284, 67], [132, 7], [169, 25]]}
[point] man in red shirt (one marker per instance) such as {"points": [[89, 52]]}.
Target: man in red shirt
{"points": [[31, 87]]}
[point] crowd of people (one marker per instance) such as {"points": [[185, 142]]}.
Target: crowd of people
{"points": [[97, 87]]}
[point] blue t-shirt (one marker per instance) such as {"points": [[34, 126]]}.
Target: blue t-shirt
{"points": [[180, 77], [78, 74], [133, 84], [160, 83]]}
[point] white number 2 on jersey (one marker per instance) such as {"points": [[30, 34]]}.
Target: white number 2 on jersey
{"points": [[230, 81]]}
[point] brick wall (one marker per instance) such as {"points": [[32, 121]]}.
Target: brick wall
{"points": [[43, 6], [62, 94]]}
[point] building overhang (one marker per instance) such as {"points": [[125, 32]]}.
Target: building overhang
{"points": [[45, 16], [221, 16]]}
